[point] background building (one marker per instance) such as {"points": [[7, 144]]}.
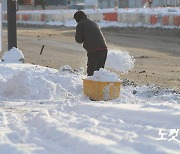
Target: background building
{"points": [[62, 4]]}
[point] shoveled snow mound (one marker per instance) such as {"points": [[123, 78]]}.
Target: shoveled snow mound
{"points": [[119, 61], [104, 75], [28, 84], [24, 85], [13, 55]]}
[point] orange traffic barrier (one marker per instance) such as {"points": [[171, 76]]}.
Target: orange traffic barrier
{"points": [[153, 19], [17, 17], [43, 17], [176, 20], [111, 16], [166, 20], [25, 17]]}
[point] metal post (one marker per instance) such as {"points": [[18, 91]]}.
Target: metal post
{"points": [[11, 16]]}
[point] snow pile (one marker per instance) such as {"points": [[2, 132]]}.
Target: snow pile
{"points": [[45, 112], [157, 93], [13, 55], [104, 76], [119, 61], [24, 85], [28, 84]]}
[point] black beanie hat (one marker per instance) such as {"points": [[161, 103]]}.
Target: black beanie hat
{"points": [[79, 15]]}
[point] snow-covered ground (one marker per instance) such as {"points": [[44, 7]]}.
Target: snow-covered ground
{"points": [[44, 111]]}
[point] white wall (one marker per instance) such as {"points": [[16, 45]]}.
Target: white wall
{"points": [[106, 4], [134, 4], [170, 2], [90, 2], [156, 3]]}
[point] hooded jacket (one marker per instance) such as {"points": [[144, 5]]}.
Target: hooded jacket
{"points": [[88, 33]]}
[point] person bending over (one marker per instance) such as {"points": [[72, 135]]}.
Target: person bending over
{"points": [[88, 33]]}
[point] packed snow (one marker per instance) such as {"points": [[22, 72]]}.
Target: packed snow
{"points": [[13, 55], [104, 75], [44, 111]]}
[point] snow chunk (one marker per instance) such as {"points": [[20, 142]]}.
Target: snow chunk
{"points": [[119, 61], [104, 76], [13, 55]]}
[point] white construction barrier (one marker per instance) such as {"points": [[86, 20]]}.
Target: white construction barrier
{"points": [[96, 17], [68, 15], [124, 16]]}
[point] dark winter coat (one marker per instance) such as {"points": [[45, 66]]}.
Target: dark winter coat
{"points": [[88, 33]]}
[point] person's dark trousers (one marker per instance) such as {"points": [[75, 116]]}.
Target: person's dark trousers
{"points": [[96, 60]]}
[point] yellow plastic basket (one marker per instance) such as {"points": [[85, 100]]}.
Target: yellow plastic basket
{"points": [[97, 90]]}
